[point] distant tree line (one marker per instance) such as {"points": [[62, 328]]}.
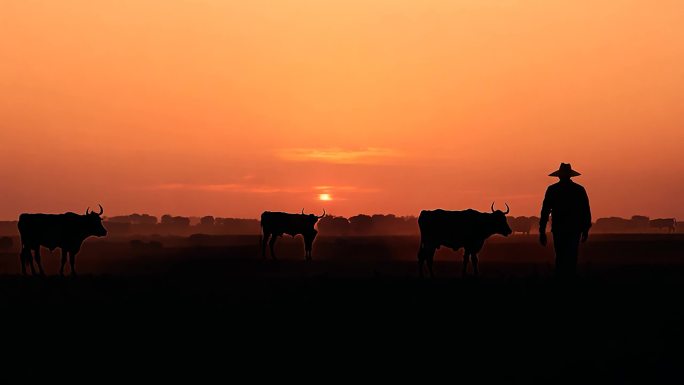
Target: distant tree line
{"points": [[362, 224], [636, 224], [144, 224], [137, 219]]}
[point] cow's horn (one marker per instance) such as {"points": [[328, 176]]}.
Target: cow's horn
{"points": [[87, 210], [508, 209], [323, 214], [302, 211], [492, 206], [101, 210]]}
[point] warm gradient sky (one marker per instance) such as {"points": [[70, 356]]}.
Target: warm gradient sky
{"points": [[233, 107]]}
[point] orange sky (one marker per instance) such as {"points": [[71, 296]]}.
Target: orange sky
{"points": [[234, 107]]}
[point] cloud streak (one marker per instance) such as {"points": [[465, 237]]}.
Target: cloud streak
{"points": [[226, 187], [354, 189], [369, 155], [258, 189]]}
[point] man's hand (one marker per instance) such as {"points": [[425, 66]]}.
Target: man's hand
{"points": [[542, 238], [585, 236]]}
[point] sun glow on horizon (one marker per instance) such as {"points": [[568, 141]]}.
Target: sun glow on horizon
{"points": [[324, 197]]}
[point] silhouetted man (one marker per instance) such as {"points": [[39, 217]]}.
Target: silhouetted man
{"points": [[568, 204]]}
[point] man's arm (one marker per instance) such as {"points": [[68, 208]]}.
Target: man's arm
{"points": [[544, 217], [586, 215], [545, 212]]}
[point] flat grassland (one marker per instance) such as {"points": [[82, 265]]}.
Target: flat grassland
{"points": [[622, 319]]}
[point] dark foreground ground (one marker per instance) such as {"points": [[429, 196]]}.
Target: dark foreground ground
{"points": [[360, 304]]}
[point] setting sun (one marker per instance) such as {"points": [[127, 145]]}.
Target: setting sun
{"points": [[324, 197]]}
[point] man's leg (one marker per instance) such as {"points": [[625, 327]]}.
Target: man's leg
{"points": [[559, 250], [566, 247], [573, 251]]}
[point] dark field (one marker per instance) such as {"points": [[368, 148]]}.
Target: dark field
{"points": [[361, 299]]}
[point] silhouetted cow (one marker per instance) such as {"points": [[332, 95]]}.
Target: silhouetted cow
{"points": [[613, 225], [275, 224], [667, 223], [521, 224], [66, 231], [455, 229]]}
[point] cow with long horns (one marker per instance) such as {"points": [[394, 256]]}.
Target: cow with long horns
{"points": [[466, 229], [66, 231], [668, 223], [275, 224]]}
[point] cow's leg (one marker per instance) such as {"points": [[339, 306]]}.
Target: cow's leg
{"points": [[473, 259], [38, 262], [21, 262], [29, 261], [64, 261], [466, 253], [72, 262], [421, 259], [23, 258], [429, 257], [425, 253], [264, 240], [308, 244], [306, 250], [271, 244]]}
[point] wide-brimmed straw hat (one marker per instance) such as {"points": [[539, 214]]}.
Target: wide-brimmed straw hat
{"points": [[565, 171]]}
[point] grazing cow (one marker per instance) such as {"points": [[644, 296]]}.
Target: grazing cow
{"points": [[666, 223], [639, 223], [275, 224], [66, 231], [521, 224], [612, 225], [455, 229]]}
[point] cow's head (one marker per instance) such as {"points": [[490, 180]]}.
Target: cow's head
{"points": [[310, 232], [499, 222], [93, 223], [311, 219]]}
